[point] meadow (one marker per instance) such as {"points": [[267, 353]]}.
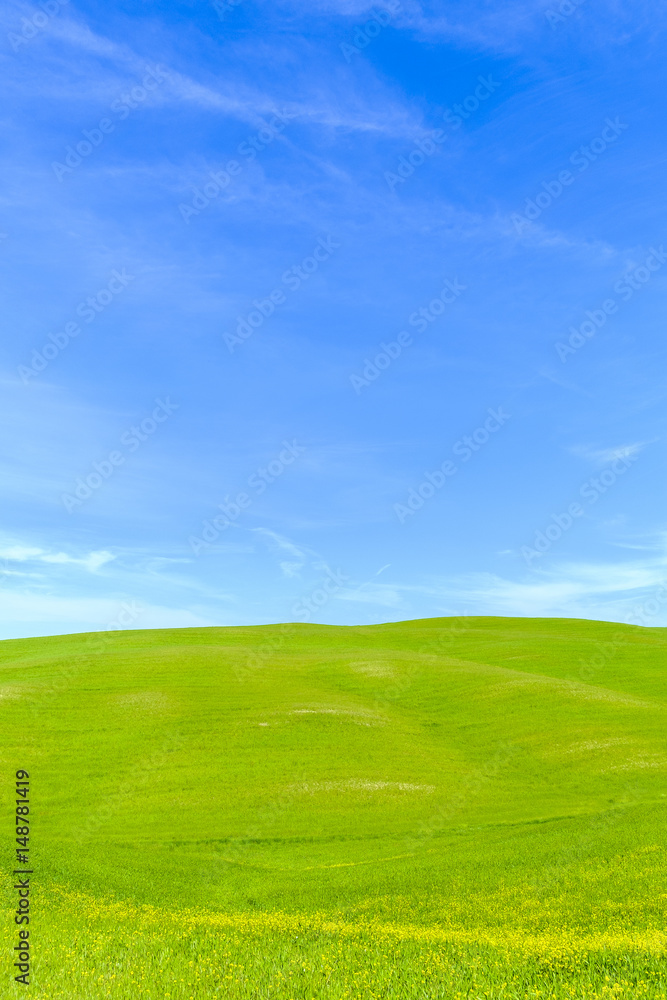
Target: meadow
{"points": [[447, 808]]}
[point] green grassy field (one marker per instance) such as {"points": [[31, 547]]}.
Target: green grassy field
{"points": [[470, 807]]}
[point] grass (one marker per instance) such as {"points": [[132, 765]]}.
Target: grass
{"points": [[447, 808]]}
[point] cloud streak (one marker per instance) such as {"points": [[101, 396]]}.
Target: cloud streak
{"points": [[24, 553]]}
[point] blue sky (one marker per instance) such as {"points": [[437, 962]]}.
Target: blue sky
{"points": [[348, 314]]}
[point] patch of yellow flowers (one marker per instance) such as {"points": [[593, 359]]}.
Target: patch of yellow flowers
{"points": [[88, 948], [555, 943]]}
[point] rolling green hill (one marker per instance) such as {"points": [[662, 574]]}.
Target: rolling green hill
{"points": [[429, 808]]}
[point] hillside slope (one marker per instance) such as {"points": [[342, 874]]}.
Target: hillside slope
{"points": [[423, 771]]}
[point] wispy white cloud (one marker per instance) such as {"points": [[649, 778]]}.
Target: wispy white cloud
{"points": [[555, 376], [25, 614], [482, 25], [602, 456], [25, 553], [19, 553], [508, 28], [324, 174], [281, 542], [75, 32], [578, 590], [608, 591], [369, 107], [290, 568]]}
